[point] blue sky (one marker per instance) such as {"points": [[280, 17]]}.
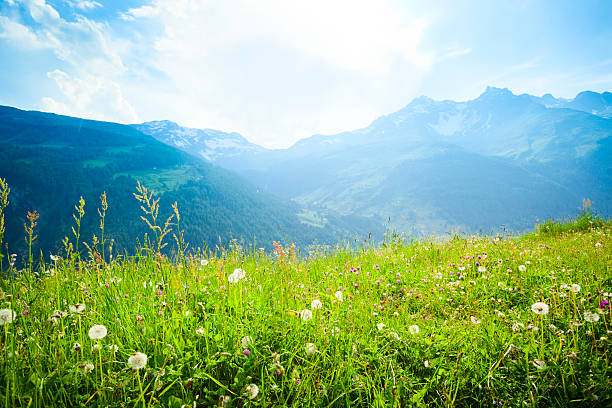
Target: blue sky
{"points": [[280, 70]]}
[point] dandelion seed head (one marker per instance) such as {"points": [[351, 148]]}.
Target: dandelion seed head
{"points": [[540, 308], [137, 360], [97, 332]]}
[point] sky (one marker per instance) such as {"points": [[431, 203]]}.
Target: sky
{"points": [[277, 71]]}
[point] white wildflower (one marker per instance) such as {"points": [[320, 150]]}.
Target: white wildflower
{"points": [[200, 331], [77, 308], [236, 276], [591, 317], [306, 314], [522, 268], [338, 295], [86, 367], [539, 308], [380, 326], [246, 341], [204, 262], [137, 360], [251, 391], [575, 288], [316, 304], [97, 332], [310, 349], [7, 316], [414, 329]]}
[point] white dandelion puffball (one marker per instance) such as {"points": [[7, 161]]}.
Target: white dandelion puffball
{"points": [[87, 367], [251, 391], [522, 268], [246, 341], [137, 360], [414, 329], [338, 295], [395, 335], [316, 304], [306, 314], [474, 320], [200, 331], [575, 288], [97, 332], [380, 326], [77, 308], [539, 308], [591, 317], [310, 349], [7, 316], [236, 276]]}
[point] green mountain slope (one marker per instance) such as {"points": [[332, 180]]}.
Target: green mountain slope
{"points": [[49, 161]]}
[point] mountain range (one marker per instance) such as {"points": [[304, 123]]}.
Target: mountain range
{"points": [[49, 161], [498, 161]]}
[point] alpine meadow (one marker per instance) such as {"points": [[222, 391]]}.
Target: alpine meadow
{"points": [[305, 204]]}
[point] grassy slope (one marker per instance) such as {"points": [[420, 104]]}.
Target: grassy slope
{"points": [[477, 343]]}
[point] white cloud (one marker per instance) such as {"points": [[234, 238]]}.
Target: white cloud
{"points": [[41, 12], [91, 96], [19, 34], [278, 71], [87, 5]]}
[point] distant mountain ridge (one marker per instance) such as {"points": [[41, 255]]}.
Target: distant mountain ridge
{"points": [[425, 165], [49, 161]]}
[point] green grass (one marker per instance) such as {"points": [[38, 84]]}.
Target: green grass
{"points": [[585, 221], [417, 323]]}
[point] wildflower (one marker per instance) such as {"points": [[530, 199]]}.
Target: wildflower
{"points": [[338, 295], [539, 364], [380, 326], [246, 352], [310, 349], [54, 258], [604, 304], [236, 276], [591, 317], [426, 363], [113, 348], [137, 360], [522, 268], [598, 245], [539, 308], [251, 391], [246, 341], [395, 335], [7, 316], [306, 314], [76, 347], [86, 367], [482, 269], [316, 304], [58, 314], [414, 329], [97, 332], [77, 308], [204, 262], [200, 331], [575, 288]]}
